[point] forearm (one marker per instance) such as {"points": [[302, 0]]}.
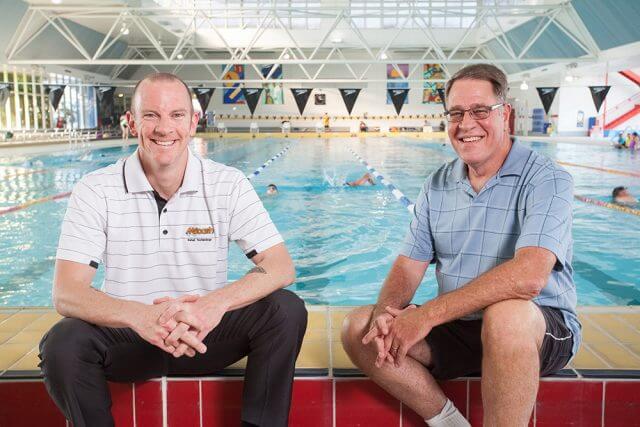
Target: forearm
{"points": [[269, 275], [400, 285], [94, 306], [510, 280]]}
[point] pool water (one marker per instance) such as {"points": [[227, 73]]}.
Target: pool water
{"points": [[343, 240]]}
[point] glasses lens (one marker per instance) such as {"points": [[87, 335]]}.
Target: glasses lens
{"points": [[480, 113], [455, 116]]}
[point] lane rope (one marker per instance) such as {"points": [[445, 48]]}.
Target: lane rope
{"points": [[614, 171], [608, 205], [34, 202], [267, 163], [399, 195]]}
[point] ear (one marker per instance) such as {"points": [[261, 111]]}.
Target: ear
{"points": [[507, 111], [132, 123], [195, 117]]}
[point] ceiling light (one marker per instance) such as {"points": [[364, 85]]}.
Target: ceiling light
{"points": [[126, 31], [180, 56], [524, 85], [286, 56], [568, 78], [120, 95], [383, 55], [56, 1]]}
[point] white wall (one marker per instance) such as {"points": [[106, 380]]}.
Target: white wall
{"points": [[573, 97]]}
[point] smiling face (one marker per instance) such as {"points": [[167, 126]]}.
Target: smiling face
{"points": [[485, 143], [164, 122]]}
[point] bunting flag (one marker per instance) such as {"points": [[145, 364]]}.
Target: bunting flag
{"points": [[397, 97], [5, 90], [599, 93], [54, 92], [105, 100], [349, 97], [546, 96], [252, 95], [204, 96], [301, 96], [442, 98]]}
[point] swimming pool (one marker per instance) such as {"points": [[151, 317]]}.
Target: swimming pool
{"points": [[342, 239]]}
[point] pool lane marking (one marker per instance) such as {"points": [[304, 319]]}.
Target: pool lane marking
{"points": [[267, 163], [29, 172], [399, 195], [613, 206], [25, 205], [614, 171], [68, 193]]}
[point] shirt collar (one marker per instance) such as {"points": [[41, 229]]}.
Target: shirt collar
{"points": [[513, 165], [136, 181]]}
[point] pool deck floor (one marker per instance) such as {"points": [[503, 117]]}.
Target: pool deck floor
{"points": [[611, 341]]}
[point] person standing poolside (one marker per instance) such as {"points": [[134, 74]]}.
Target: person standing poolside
{"points": [[124, 128], [496, 221], [161, 221], [325, 122]]}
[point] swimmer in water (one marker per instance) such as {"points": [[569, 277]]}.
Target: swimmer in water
{"points": [[365, 179], [272, 190]]}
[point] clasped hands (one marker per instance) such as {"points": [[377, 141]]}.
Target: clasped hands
{"points": [[394, 333], [181, 324]]}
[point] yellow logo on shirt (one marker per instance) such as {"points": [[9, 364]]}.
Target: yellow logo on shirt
{"points": [[197, 230]]}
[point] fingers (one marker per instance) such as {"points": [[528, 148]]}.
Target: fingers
{"points": [[161, 300], [393, 311], [369, 336], [169, 313], [189, 319], [181, 338], [401, 354], [381, 354]]}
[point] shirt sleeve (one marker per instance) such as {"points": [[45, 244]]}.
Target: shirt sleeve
{"points": [[250, 225], [548, 216], [83, 235], [418, 243]]}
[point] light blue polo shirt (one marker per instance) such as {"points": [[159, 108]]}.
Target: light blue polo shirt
{"points": [[527, 203]]}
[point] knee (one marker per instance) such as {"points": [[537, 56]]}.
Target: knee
{"points": [[65, 342], [354, 326], [512, 326], [288, 307]]}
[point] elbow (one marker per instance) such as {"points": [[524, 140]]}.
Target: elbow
{"points": [[289, 275], [60, 303], [533, 287]]}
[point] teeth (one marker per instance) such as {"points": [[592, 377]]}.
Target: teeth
{"points": [[471, 139], [164, 143]]}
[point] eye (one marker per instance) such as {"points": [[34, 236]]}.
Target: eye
{"points": [[455, 114], [178, 115], [149, 116]]}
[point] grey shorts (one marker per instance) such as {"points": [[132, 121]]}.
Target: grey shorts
{"points": [[456, 347]]}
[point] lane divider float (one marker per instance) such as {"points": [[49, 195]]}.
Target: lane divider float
{"points": [[399, 195], [34, 202], [267, 163], [614, 171], [619, 208]]}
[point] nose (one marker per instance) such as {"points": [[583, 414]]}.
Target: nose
{"points": [[467, 122], [163, 126]]}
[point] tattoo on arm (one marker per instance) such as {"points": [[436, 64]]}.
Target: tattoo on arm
{"points": [[257, 269]]}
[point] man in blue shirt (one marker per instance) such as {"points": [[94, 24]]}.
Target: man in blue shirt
{"points": [[497, 223]]}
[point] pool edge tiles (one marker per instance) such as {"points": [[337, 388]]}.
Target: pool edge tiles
{"points": [[611, 345]]}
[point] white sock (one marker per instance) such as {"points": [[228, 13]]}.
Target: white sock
{"points": [[448, 417]]}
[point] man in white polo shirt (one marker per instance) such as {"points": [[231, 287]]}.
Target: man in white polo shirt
{"points": [[161, 221]]}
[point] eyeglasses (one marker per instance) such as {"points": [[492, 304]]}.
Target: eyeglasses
{"points": [[476, 113]]}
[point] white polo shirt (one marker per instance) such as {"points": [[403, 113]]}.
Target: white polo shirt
{"points": [[112, 218]]}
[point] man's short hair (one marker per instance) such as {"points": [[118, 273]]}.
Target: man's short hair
{"points": [[616, 191], [164, 77], [487, 72], [272, 186]]}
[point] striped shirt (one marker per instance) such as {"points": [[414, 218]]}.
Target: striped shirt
{"points": [[112, 218], [527, 203]]}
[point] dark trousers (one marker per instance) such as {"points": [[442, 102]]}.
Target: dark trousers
{"points": [[78, 358]]}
